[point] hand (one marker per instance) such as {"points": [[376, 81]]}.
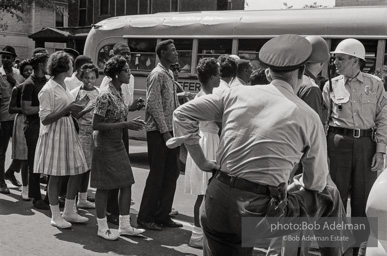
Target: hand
{"points": [[135, 125], [75, 107], [209, 166], [377, 162]]}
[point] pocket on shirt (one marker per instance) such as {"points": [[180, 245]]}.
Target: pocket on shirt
{"points": [[368, 99]]}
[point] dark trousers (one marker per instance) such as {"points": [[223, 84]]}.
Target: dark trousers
{"points": [[5, 135], [350, 168], [112, 202], [32, 135], [225, 207], [157, 199]]}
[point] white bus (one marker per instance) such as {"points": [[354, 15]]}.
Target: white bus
{"points": [[212, 33]]}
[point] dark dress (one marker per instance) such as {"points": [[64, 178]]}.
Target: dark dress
{"points": [[110, 167]]}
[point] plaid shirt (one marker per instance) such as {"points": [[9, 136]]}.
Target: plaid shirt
{"points": [[161, 100]]}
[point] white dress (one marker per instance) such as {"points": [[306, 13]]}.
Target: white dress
{"points": [[196, 180]]}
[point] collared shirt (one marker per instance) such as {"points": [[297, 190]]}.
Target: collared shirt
{"points": [[364, 109], [223, 85], [31, 88], [311, 94], [6, 92], [127, 89], [73, 82], [161, 100], [266, 131]]}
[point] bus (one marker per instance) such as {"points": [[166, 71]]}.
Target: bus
{"points": [[243, 33]]}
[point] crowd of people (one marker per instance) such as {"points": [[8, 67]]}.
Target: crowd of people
{"points": [[252, 150]]}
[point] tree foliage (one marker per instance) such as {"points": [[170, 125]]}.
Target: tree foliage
{"points": [[314, 5]]}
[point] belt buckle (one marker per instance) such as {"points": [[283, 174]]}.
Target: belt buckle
{"points": [[356, 133]]}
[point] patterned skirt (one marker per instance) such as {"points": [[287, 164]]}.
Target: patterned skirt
{"points": [[86, 138], [110, 166], [59, 151], [19, 144]]}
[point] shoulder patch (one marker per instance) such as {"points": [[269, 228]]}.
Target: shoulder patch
{"points": [[383, 102]]}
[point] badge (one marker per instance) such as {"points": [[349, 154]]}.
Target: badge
{"points": [[368, 90], [383, 102]]}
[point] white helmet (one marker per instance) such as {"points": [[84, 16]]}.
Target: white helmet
{"points": [[351, 47]]}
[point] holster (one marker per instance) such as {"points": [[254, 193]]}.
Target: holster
{"points": [[278, 201]]}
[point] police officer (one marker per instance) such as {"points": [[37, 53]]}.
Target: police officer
{"points": [[309, 91], [357, 127], [266, 129]]}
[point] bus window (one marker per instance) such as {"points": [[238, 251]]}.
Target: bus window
{"points": [[371, 49], [213, 47], [143, 53], [184, 48], [104, 55], [248, 49]]}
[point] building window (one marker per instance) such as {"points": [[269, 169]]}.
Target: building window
{"points": [[59, 16], [82, 13], [103, 7], [213, 47], [174, 5]]}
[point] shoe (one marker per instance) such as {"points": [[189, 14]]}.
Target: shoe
{"points": [[149, 225], [40, 204], [131, 231], [108, 235], [170, 224], [4, 189], [173, 212], [24, 195], [12, 179], [60, 223], [86, 205], [74, 218], [196, 242], [90, 199], [113, 219]]}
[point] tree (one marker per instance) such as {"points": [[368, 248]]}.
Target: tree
{"points": [[16, 8], [287, 6], [314, 5]]}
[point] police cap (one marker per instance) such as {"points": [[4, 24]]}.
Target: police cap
{"points": [[285, 52]]}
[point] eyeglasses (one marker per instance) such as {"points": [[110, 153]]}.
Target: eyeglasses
{"points": [[127, 70]]}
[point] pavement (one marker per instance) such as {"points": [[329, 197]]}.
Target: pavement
{"points": [[25, 230]]}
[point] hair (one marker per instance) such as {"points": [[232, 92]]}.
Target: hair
{"points": [[114, 65], [24, 63], [242, 66], [59, 62], [228, 66], [118, 47], [80, 60], [87, 68], [206, 68], [258, 77], [37, 59], [163, 46]]}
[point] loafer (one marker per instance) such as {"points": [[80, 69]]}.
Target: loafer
{"points": [[86, 205], [74, 218], [131, 231], [108, 235], [12, 179], [91, 199], [173, 212], [4, 189], [170, 224], [41, 204], [149, 225], [196, 242]]}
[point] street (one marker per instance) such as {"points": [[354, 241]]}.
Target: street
{"points": [[27, 231]]}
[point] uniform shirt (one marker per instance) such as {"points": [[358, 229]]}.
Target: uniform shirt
{"points": [[310, 93], [161, 100], [30, 92], [6, 93], [127, 89], [266, 131], [72, 82], [364, 109]]}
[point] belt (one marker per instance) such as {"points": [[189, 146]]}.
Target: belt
{"points": [[356, 133], [242, 184]]}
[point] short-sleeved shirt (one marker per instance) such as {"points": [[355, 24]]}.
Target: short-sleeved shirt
{"points": [[111, 106], [79, 93], [6, 93], [31, 88]]}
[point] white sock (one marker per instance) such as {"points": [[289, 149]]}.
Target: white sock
{"points": [[55, 212], [102, 224], [82, 197], [124, 221], [197, 232], [25, 189], [69, 206]]}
